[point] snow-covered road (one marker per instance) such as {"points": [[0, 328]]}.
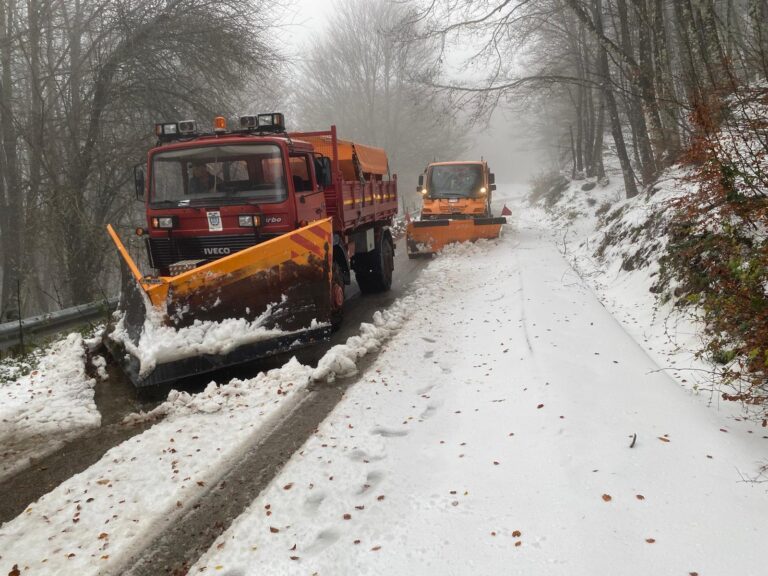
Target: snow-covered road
{"points": [[493, 436], [509, 425]]}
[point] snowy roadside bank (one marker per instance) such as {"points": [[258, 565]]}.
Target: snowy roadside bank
{"points": [[493, 435], [45, 401]]}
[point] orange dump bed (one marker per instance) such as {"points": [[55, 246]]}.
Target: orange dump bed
{"points": [[362, 190]]}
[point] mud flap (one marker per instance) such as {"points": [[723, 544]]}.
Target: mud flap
{"points": [[283, 284], [426, 237]]}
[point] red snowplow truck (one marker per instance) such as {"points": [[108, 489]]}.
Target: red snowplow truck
{"points": [[252, 223]]}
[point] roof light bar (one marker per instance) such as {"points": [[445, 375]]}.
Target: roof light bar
{"points": [[248, 123], [187, 127], [274, 122]]}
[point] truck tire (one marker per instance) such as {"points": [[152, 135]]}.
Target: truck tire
{"points": [[337, 292], [378, 277]]}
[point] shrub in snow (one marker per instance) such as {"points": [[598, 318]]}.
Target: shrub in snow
{"points": [[717, 257]]}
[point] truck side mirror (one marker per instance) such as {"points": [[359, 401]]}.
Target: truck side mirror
{"points": [[323, 171], [491, 178], [139, 181], [421, 180], [493, 186]]}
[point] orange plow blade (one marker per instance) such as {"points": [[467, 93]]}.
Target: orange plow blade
{"points": [[429, 236], [263, 300]]}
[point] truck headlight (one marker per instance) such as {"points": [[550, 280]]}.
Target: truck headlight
{"points": [[164, 222], [248, 220], [483, 191]]}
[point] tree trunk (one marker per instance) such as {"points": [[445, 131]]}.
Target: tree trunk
{"points": [[12, 198], [635, 105], [613, 110], [665, 88]]}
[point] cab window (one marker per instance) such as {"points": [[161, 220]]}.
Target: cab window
{"points": [[300, 172]]}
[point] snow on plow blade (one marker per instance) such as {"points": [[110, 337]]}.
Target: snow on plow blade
{"points": [[264, 300], [429, 236]]}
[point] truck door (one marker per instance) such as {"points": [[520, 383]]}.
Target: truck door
{"points": [[310, 202]]}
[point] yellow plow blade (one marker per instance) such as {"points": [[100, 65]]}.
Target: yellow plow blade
{"points": [[288, 279], [429, 236]]}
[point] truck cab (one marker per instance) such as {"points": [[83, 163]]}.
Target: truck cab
{"points": [[456, 190], [209, 196]]}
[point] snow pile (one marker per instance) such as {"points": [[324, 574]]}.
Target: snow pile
{"points": [[272, 387], [341, 360], [160, 343], [45, 401]]}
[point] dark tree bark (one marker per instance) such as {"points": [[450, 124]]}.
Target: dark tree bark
{"points": [[635, 104], [665, 88], [613, 110], [11, 195]]}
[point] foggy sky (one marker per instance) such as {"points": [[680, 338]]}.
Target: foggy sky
{"points": [[504, 145]]}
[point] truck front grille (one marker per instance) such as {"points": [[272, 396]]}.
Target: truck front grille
{"points": [[166, 251]]}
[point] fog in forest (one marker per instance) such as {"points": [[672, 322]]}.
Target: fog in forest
{"points": [[593, 89]]}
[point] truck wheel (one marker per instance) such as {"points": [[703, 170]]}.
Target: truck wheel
{"points": [[378, 277], [337, 297]]}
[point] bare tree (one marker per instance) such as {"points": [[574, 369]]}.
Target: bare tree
{"points": [[373, 85], [82, 83]]}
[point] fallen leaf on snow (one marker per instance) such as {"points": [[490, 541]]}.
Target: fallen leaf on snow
{"points": [[650, 540], [517, 534], [274, 530], [607, 498]]}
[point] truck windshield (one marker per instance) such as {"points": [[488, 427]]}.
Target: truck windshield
{"points": [[455, 180], [219, 174]]}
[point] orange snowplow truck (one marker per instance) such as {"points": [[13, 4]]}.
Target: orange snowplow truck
{"points": [[456, 207], [253, 223]]}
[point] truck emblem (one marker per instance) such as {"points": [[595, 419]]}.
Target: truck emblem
{"points": [[216, 251], [214, 222]]}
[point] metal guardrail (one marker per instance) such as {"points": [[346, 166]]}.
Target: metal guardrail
{"points": [[12, 334]]}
